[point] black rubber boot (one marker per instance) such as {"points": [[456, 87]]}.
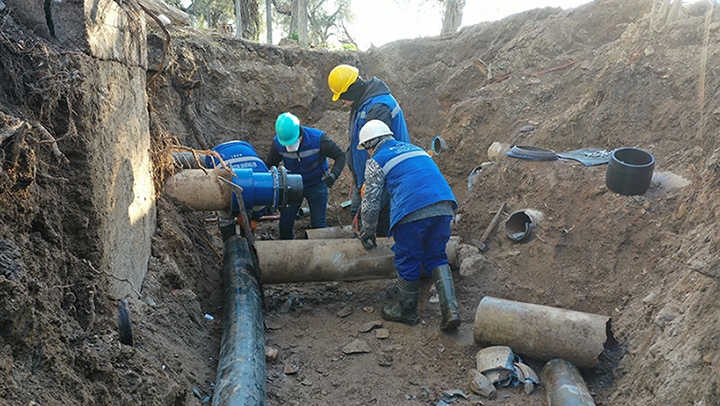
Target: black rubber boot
{"points": [[406, 309], [227, 231], [446, 293]]}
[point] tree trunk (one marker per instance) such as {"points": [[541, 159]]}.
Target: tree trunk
{"points": [[452, 17], [302, 23], [268, 20], [674, 11], [208, 15], [238, 19], [294, 20]]}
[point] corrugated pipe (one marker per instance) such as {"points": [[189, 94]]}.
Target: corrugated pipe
{"points": [[241, 369]]}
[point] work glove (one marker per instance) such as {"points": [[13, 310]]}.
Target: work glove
{"points": [[368, 241], [329, 179]]}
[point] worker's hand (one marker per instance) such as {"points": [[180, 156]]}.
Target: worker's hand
{"points": [[253, 226], [329, 179], [368, 240]]}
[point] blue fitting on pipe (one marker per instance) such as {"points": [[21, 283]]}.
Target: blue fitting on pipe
{"points": [[275, 188]]}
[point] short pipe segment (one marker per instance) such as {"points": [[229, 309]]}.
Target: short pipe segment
{"points": [[295, 261], [563, 384], [543, 332]]}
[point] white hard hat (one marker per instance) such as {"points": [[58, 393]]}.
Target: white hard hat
{"points": [[371, 130]]}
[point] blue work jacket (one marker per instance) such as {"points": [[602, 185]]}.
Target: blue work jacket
{"points": [[307, 160], [412, 179], [398, 127]]}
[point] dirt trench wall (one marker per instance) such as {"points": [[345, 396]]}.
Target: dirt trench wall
{"points": [[215, 89], [99, 27], [120, 171], [114, 209]]}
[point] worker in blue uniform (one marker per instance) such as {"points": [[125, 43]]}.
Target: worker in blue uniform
{"points": [[304, 151], [368, 100], [421, 208], [236, 155]]}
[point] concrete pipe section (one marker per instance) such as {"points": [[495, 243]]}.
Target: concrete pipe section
{"points": [[330, 233], [543, 332], [294, 261], [563, 384]]}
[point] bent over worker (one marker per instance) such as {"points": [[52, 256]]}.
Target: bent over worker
{"points": [[421, 208], [236, 155], [304, 151], [368, 100]]}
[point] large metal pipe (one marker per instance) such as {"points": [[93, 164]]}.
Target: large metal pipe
{"points": [[189, 160], [212, 189], [543, 332], [563, 384], [330, 233], [294, 261], [241, 367]]}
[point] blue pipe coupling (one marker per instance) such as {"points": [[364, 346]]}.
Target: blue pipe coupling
{"points": [[275, 188]]}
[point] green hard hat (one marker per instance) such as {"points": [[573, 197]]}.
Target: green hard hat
{"points": [[287, 128]]}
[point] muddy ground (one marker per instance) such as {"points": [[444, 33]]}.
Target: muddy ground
{"points": [[608, 74]]}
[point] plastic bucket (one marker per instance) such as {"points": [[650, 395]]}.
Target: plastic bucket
{"points": [[629, 171]]}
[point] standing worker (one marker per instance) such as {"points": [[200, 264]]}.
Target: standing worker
{"points": [[368, 100], [304, 151], [422, 207], [236, 155]]}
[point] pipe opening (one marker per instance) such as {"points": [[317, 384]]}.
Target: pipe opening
{"points": [[611, 344]]}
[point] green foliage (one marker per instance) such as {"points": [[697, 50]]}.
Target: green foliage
{"points": [[348, 47], [325, 20], [337, 48], [294, 36], [212, 13], [209, 13]]}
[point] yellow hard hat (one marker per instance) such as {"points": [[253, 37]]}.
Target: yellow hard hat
{"points": [[341, 77]]}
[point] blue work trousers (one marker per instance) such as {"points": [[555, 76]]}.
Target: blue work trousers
{"points": [[420, 244], [317, 197]]}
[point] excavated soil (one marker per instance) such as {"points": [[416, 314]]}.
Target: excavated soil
{"points": [[606, 75]]}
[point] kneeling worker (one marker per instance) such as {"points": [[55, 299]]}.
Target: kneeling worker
{"points": [[236, 155], [421, 208], [304, 151]]}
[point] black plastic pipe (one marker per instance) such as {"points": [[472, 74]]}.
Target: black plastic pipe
{"points": [[241, 368]]}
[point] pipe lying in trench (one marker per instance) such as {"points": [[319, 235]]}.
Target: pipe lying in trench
{"points": [[563, 384], [294, 261], [330, 233], [241, 368], [543, 332]]}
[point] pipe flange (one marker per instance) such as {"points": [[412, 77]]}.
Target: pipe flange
{"points": [[286, 187], [276, 185]]}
